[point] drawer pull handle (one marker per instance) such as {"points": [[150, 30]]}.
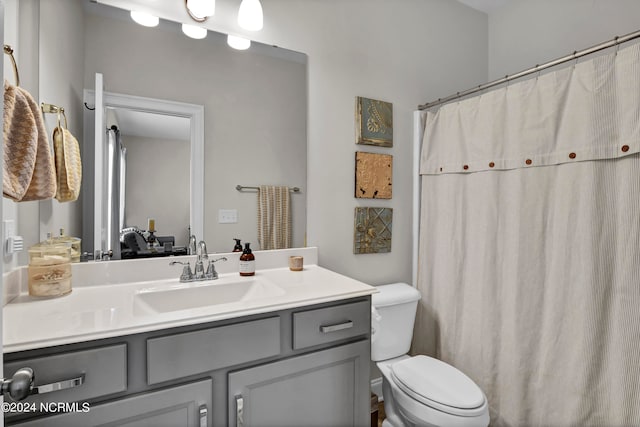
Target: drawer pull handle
{"points": [[203, 416], [60, 385], [239, 411], [337, 327]]}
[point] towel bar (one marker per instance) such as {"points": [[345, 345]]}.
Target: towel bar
{"points": [[243, 187]]}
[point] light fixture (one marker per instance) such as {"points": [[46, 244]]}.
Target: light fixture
{"points": [[200, 10], [145, 19], [239, 43], [250, 15], [194, 31]]}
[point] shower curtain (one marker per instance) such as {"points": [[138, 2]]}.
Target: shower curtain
{"points": [[529, 253]]}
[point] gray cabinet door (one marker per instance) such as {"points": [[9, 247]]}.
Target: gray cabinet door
{"points": [[186, 405], [328, 388]]}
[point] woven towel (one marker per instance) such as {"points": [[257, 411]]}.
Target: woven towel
{"points": [[20, 141], [68, 165], [274, 217], [28, 164]]}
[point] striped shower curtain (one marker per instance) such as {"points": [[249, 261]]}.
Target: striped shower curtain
{"points": [[529, 254]]}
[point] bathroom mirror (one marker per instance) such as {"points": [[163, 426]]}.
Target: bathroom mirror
{"points": [[255, 108]]}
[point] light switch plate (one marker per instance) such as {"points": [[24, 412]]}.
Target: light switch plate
{"points": [[227, 216]]}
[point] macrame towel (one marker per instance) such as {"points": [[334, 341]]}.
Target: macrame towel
{"points": [[274, 217], [28, 172]]}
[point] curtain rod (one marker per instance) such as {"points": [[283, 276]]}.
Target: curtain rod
{"points": [[507, 78]]}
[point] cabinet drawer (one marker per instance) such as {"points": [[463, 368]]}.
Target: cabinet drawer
{"points": [[180, 355], [321, 326], [104, 369]]}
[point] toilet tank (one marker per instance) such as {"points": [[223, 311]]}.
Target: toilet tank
{"points": [[392, 328]]}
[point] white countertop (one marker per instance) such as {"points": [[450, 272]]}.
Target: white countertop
{"points": [[102, 310]]}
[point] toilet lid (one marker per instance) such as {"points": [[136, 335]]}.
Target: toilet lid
{"points": [[437, 384]]}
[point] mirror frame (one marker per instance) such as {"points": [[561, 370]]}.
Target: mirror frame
{"points": [[195, 113]]}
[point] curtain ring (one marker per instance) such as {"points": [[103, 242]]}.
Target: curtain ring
{"points": [[617, 45], [537, 72], [575, 52]]}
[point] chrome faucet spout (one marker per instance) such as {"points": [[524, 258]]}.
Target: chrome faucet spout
{"points": [[191, 250], [201, 252]]}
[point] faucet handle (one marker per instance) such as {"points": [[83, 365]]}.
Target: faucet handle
{"points": [[211, 269], [187, 274]]}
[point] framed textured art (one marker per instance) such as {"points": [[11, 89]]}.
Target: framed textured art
{"points": [[374, 173], [372, 230], [374, 122]]}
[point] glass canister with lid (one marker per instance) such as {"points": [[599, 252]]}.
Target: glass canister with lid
{"points": [[49, 269], [75, 243]]}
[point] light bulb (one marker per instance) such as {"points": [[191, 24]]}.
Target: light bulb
{"points": [[145, 19], [202, 8], [194, 32], [250, 15], [239, 43]]}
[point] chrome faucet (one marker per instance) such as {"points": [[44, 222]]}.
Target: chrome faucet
{"points": [[191, 249], [201, 252], [199, 274]]}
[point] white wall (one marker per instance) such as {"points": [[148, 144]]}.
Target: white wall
{"points": [[405, 52], [525, 33], [61, 73]]}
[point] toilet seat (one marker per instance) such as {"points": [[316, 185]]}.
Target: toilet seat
{"points": [[438, 385]]}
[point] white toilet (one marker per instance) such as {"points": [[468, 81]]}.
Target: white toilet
{"points": [[418, 391]]}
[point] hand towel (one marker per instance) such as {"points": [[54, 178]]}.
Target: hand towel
{"points": [[274, 217], [28, 164], [43, 181], [68, 165], [20, 141]]}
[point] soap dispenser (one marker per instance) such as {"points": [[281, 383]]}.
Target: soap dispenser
{"points": [[247, 262], [238, 246]]}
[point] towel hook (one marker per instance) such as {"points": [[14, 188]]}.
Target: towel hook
{"points": [[54, 109], [9, 51]]}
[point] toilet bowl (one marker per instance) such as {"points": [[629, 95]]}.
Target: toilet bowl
{"points": [[419, 390]]}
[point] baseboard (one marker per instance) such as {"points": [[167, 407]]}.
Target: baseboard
{"points": [[376, 387]]}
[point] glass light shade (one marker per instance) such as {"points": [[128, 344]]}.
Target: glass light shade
{"points": [[239, 43], [250, 15], [202, 8], [145, 19], [194, 32]]}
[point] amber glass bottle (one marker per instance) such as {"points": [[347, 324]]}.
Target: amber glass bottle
{"points": [[247, 262]]}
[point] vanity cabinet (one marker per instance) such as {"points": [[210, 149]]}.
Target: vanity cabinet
{"points": [[322, 388], [186, 405], [304, 366]]}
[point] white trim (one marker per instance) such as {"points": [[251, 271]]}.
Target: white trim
{"points": [[376, 388], [418, 134], [195, 113], [98, 165]]}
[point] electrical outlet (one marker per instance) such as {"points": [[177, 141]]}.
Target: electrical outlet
{"points": [[227, 216]]}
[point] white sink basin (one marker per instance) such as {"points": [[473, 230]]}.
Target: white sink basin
{"points": [[186, 296]]}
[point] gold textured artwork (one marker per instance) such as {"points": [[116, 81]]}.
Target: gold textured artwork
{"points": [[372, 230], [374, 122], [373, 175]]}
